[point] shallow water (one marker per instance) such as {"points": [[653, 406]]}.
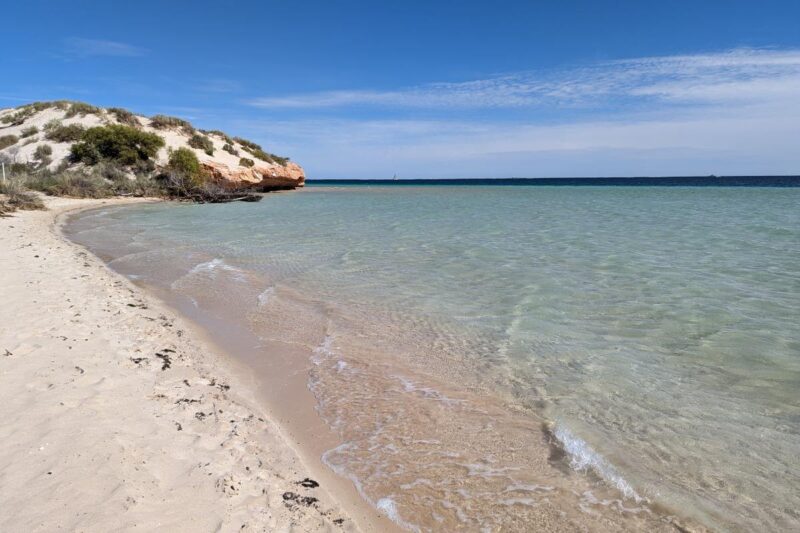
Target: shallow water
{"points": [[518, 358]]}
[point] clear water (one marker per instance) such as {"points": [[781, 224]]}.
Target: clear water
{"points": [[520, 358]]}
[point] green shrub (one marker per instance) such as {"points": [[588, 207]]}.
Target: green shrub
{"points": [[255, 150], [230, 149], [201, 142], [71, 184], [124, 116], [116, 142], [15, 119], [8, 140], [184, 162], [27, 132], [42, 151], [218, 133], [63, 134], [246, 162], [53, 123], [82, 109], [17, 195], [164, 121]]}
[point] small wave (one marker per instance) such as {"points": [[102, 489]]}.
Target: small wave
{"points": [[214, 266], [582, 458], [425, 392], [265, 295], [386, 504]]}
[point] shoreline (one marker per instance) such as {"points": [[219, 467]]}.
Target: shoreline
{"points": [[283, 379], [116, 418]]}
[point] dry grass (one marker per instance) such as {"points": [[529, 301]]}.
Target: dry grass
{"points": [[15, 196]]}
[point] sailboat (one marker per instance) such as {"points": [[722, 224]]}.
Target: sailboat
{"points": [[395, 178]]}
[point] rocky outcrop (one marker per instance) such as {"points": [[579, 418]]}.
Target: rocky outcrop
{"points": [[263, 177]]}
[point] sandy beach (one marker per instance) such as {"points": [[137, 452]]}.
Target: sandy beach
{"points": [[117, 416]]}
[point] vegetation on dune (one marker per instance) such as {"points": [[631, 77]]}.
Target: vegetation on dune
{"points": [[221, 134], [119, 143], [27, 132], [8, 140], [82, 109], [201, 142], [60, 133], [165, 122], [256, 151], [124, 116], [16, 196], [26, 111], [42, 154], [15, 119], [184, 163], [115, 159], [43, 150]]}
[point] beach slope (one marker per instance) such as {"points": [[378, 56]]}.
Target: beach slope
{"points": [[117, 416]]}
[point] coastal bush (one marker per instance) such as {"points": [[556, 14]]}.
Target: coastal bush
{"points": [[17, 196], [256, 151], [42, 154], [119, 143], [50, 124], [73, 184], [15, 119], [164, 122], [61, 133], [27, 132], [245, 162], [184, 162], [124, 116], [230, 149], [218, 133], [201, 142], [42, 151], [82, 109], [8, 140]]}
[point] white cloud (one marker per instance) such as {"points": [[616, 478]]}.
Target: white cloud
{"points": [[734, 73], [735, 112], [79, 47]]}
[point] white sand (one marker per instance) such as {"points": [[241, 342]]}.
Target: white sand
{"points": [[96, 436]]}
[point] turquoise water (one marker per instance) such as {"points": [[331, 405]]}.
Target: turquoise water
{"points": [[458, 333]]}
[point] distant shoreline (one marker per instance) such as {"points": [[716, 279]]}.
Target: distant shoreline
{"points": [[661, 181]]}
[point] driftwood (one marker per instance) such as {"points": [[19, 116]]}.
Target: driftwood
{"points": [[221, 198]]}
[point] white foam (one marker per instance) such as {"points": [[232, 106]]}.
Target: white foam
{"points": [[385, 504], [583, 457], [214, 266], [265, 295], [425, 392], [323, 351]]}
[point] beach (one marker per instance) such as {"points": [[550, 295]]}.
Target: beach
{"points": [[538, 371], [118, 415]]}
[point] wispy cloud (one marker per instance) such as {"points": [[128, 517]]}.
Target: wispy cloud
{"points": [[731, 112], [730, 75], [80, 47]]}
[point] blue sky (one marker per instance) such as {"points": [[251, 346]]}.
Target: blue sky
{"points": [[439, 89]]}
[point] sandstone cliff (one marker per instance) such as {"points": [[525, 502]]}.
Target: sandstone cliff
{"points": [[231, 161]]}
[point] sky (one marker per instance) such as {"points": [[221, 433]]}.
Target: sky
{"points": [[435, 89]]}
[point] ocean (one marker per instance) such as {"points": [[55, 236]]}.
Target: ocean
{"points": [[493, 357]]}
